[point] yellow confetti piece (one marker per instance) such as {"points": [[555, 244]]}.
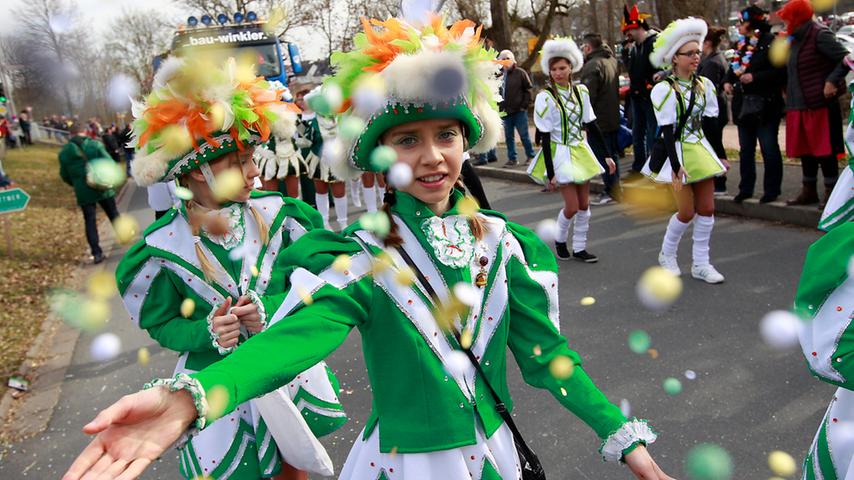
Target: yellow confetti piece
{"points": [[183, 193], [102, 285], [823, 6], [94, 314], [143, 356], [561, 367], [466, 339], [188, 306], [217, 398], [382, 262], [652, 353], [277, 16], [781, 463], [587, 301], [304, 295], [393, 452], [563, 391], [404, 277], [254, 270], [176, 139], [657, 288], [468, 206], [217, 116], [228, 184], [778, 53], [126, 229], [341, 263], [537, 350]]}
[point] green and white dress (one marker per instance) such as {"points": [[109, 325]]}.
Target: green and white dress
{"points": [[696, 155], [564, 117], [431, 415], [162, 270], [825, 300], [840, 206]]}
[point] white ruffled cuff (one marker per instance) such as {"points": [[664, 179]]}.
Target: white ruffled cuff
{"points": [[632, 432], [215, 337], [255, 299], [183, 381]]}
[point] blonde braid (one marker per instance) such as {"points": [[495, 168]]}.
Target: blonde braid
{"points": [[263, 229]]}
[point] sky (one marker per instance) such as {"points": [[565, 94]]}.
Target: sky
{"points": [[100, 13]]}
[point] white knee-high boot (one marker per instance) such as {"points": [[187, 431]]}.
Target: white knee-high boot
{"points": [[354, 192], [675, 229], [341, 211], [563, 225], [702, 269], [579, 231], [322, 202], [370, 198]]}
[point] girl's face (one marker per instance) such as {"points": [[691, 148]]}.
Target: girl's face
{"points": [[434, 150], [240, 160], [299, 101], [687, 58], [560, 71]]}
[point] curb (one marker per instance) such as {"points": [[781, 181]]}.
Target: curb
{"points": [[801, 216]]}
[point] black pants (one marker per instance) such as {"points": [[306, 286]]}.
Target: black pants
{"points": [[829, 169], [109, 207], [766, 130], [473, 185]]}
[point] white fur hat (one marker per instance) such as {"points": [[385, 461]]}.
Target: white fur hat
{"points": [[562, 47], [677, 34]]}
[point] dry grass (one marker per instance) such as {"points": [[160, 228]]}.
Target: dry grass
{"points": [[49, 243]]}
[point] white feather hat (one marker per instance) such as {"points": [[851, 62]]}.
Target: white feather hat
{"points": [[562, 47], [678, 33]]}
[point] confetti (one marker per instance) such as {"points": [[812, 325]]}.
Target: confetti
{"points": [[217, 398], [183, 193], [672, 386], [104, 347], [851, 267], [277, 16], [102, 285], [254, 271], [228, 184], [653, 353], [400, 176], [304, 295], [126, 229], [60, 23], [561, 367], [106, 172], [382, 262], [120, 90], [708, 461], [341, 263], [377, 223], [639, 341], [547, 230], [780, 329], [467, 294], [468, 206], [332, 152], [327, 102], [563, 391], [448, 82], [143, 356], [625, 408], [781, 463], [404, 277], [417, 12], [466, 338], [778, 53], [690, 374], [823, 6], [587, 301], [369, 94], [457, 363], [188, 306], [350, 127], [176, 139], [220, 117], [538, 350], [657, 288]]}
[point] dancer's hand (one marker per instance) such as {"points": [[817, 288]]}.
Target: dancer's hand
{"points": [[225, 325], [643, 466], [551, 185], [612, 167], [248, 315], [679, 179], [132, 433]]}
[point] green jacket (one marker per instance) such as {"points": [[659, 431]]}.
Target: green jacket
{"points": [[421, 403], [72, 168]]}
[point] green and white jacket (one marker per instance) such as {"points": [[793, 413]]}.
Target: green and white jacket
{"points": [[421, 403]]}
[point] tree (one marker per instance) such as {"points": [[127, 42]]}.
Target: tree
{"points": [[136, 38]]}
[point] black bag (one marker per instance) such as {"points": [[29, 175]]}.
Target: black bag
{"points": [[751, 105], [532, 469], [658, 155]]}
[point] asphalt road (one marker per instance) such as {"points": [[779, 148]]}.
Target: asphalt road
{"points": [[747, 398]]}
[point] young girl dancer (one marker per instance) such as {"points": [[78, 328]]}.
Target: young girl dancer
{"points": [[485, 284], [561, 113], [201, 268], [693, 163]]}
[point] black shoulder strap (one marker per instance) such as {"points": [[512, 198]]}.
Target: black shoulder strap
{"points": [[80, 148], [682, 112], [575, 91]]}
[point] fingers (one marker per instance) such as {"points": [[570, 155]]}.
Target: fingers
{"points": [[135, 469], [112, 414], [91, 454], [225, 323], [243, 310], [223, 309], [243, 300], [118, 466], [100, 467]]}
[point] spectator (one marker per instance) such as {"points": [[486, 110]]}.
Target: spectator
{"points": [[111, 143], [24, 122], [757, 104], [714, 66], [516, 94], [72, 168], [4, 133], [125, 138], [600, 74], [813, 117], [641, 80]]}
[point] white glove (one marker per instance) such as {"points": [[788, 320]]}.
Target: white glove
{"points": [[302, 142], [266, 161], [285, 155]]}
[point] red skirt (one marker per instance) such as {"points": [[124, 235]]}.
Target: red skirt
{"points": [[813, 133]]}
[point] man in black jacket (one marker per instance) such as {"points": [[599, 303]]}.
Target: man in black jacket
{"points": [[641, 80], [516, 93]]}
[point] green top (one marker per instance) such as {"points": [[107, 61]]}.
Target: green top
{"points": [[419, 402], [162, 270], [72, 168]]}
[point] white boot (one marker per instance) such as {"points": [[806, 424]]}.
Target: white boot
{"points": [[670, 245], [322, 202], [701, 269], [370, 198], [354, 192], [579, 231], [341, 211]]}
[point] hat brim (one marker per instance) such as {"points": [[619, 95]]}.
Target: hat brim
{"points": [[207, 153]]}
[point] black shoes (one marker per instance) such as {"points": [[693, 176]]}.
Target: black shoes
{"points": [[741, 197], [99, 258], [561, 251], [767, 198], [585, 256]]}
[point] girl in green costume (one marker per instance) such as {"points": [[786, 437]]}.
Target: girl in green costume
{"points": [[495, 282], [194, 280], [562, 112]]}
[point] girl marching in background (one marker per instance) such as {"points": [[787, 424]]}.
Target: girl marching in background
{"points": [[562, 112], [194, 281], [444, 279], [693, 163]]}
